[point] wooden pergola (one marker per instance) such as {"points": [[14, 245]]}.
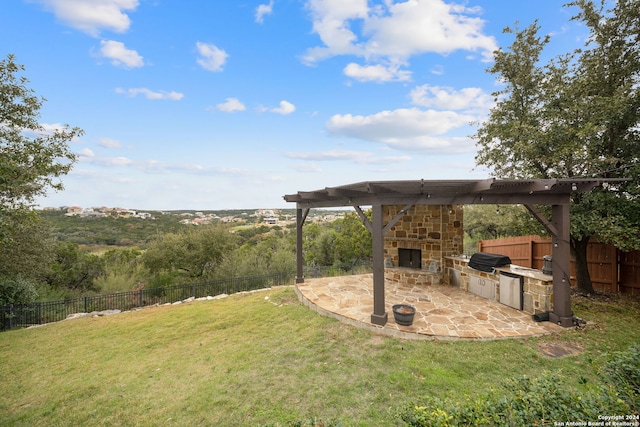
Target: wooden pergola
{"points": [[552, 192]]}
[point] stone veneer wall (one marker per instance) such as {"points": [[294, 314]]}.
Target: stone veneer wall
{"points": [[435, 230], [538, 287]]}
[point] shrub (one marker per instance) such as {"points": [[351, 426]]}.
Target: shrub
{"points": [[16, 290], [538, 401], [623, 372]]}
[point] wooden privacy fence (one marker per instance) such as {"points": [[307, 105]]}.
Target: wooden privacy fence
{"points": [[611, 270]]}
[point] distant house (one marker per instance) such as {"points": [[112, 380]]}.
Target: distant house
{"points": [[91, 213], [73, 210], [272, 220], [143, 215]]}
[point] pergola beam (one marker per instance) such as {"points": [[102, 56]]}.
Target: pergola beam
{"points": [[364, 218], [541, 218]]}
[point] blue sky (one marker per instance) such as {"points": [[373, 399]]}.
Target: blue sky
{"points": [[227, 104]]}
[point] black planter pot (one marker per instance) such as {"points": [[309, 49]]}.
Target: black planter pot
{"points": [[403, 314]]}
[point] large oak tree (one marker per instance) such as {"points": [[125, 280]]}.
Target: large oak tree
{"points": [[577, 115]]}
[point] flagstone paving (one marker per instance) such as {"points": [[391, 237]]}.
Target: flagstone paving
{"points": [[442, 311]]}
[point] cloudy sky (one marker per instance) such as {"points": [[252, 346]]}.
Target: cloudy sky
{"points": [[234, 103]]}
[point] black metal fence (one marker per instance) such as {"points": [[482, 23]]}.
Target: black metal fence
{"points": [[40, 313]]}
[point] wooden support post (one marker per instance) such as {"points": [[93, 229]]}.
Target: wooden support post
{"points": [[561, 257], [300, 219], [379, 315]]}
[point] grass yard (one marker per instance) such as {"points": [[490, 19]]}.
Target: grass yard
{"points": [[264, 359]]}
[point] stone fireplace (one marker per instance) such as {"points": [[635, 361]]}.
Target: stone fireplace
{"points": [[416, 246]]}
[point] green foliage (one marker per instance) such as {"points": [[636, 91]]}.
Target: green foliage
{"points": [[324, 248], [108, 230], [486, 222], [253, 234], [31, 158], [26, 250], [520, 402], [343, 242], [578, 115], [270, 255], [123, 271], [353, 240], [74, 269], [623, 372], [195, 253], [172, 253], [16, 290]]}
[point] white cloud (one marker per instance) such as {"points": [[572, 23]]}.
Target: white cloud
{"points": [[419, 26], [149, 94], [327, 155], [120, 55], [93, 16], [86, 152], [378, 73], [112, 161], [362, 157], [331, 23], [285, 108], [405, 129], [262, 10], [231, 105], [470, 98], [109, 143], [157, 167], [395, 31], [211, 58]]}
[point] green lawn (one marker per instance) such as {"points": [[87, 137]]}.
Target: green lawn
{"points": [[264, 359]]}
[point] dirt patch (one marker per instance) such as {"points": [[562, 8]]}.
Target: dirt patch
{"points": [[560, 349]]}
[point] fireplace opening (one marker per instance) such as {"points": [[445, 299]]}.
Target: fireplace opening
{"points": [[411, 258]]}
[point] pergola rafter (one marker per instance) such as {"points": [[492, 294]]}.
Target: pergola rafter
{"points": [[553, 192]]}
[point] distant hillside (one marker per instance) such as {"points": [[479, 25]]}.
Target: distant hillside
{"points": [[132, 227]]}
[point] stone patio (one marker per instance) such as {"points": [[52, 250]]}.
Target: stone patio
{"points": [[442, 311]]}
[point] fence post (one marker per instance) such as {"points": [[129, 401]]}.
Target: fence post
{"points": [[193, 290], [39, 313], [85, 305], [10, 316], [140, 297]]}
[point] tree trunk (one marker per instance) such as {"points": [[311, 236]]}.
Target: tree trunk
{"points": [[579, 249]]}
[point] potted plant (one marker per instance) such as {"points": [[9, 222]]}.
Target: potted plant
{"points": [[403, 314]]}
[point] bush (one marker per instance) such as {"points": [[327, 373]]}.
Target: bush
{"points": [[623, 372], [16, 291], [539, 401]]}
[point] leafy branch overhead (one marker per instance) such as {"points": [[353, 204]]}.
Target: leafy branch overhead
{"points": [[32, 157], [578, 115]]}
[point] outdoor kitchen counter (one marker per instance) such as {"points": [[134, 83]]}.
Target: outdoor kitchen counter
{"points": [[513, 269], [537, 289]]}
